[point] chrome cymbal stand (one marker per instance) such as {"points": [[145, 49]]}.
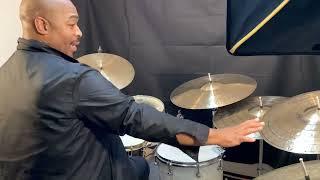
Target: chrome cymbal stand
{"points": [[260, 168]]}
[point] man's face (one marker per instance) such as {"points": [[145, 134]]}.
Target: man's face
{"points": [[63, 30]]}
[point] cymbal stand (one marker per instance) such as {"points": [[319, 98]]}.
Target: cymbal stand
{"points": [[260, 168], [306, 174]]}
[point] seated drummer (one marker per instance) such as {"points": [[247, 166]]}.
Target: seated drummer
{"points": [[60, 120]]}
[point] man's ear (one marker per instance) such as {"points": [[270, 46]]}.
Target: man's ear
{"points": [[41, 25]]}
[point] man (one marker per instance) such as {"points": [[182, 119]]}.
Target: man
{"points": [[61, 120]]}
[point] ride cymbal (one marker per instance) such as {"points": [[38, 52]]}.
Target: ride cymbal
{"points": [[250, 108], [213, 91], [294, 125], [116, 69]]}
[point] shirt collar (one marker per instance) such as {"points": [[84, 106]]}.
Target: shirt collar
{"points": [[37, 46]]}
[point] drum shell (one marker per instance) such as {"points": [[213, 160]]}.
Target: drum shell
{"points": [[173, 170]]}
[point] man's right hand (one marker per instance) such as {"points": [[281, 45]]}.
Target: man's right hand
{"points": [[235, 135]]}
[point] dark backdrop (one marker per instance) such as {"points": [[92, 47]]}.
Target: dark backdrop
{"points": [[172, 41]]}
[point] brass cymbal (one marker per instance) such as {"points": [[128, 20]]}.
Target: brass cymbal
{"points": [[293, 172], [294, 125], [151, 101], [116, 69], [213, 91], [250, 108]]}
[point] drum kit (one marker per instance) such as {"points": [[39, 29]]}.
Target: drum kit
{"points": [[291, 124]]}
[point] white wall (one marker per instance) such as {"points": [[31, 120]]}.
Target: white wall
{"points": [[10, 28]]}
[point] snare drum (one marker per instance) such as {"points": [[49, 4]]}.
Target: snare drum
{"points": [[174, 164], [133, 146]]}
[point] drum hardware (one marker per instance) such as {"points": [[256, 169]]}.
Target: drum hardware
{"points": [[155, 161], [179, 115], [214, 111], [170, 173], [213, 91], [220, 164], [261, 113], [116, 69], [306, 175], [260, 168], [294, 125], [198, 170]]}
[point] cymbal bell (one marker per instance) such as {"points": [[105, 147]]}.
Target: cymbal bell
{"points": [[116, 69], [213, 91], [294, 125], [294, 172], [249, 108]]}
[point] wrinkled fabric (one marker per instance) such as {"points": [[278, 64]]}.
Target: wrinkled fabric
{"points": [[60, 119]]}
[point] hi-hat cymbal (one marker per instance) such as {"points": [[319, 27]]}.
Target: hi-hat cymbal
{"points": [[150, 100], [250, 108], [213, 91], [116, 69], [293, 172], [294, 125]]}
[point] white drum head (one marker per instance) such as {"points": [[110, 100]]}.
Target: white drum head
{"points": [[171, 153], [129, 141], [151, 101]]}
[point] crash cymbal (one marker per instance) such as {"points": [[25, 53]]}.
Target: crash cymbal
{"points": [[293, 172], [116, 69], [250, 108], [294, 125], [213, 91], [151, 101]]}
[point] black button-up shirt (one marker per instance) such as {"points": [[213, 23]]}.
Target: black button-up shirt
{"points": [[60, 119]]}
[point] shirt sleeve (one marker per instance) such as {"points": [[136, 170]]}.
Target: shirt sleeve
{"points": [[98, 101]]}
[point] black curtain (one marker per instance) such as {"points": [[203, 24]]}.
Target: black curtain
{"points": [[170, 42]]}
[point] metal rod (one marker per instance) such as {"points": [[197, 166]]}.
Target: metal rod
{"points": [[304, 169], [260, 168], [214, 111], [209, 75], [99, 49], [260, 102]]}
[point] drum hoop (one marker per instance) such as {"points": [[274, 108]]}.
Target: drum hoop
{"points": [[135, 147], [188, 164]]}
